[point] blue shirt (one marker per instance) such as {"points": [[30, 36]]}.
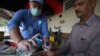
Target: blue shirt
{"points": [[29, 25]]}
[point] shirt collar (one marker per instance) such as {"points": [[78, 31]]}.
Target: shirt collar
{"points": [[90, 20]]}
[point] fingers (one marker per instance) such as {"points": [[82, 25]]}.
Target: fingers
{"points": [[34, 43], [36, 35], [24, 45], [28, 46]]}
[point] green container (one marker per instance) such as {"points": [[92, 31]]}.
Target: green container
{"points": [[1, 36]]}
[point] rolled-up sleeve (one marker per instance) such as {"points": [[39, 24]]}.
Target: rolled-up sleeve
{"points": [[15, 20], [45, 31]]}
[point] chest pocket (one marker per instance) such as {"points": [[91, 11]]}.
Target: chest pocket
{"points": [[35, 27], [39, 26], [84, 42], [86, 39]]}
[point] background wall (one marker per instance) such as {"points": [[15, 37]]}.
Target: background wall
{"points": [[69, 18]]}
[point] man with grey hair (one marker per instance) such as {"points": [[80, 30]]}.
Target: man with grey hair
{"points": [[84, 39]]}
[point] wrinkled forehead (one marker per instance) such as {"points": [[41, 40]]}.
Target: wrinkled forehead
{"points": [[81, 1]]}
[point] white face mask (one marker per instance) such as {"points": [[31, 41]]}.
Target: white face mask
{"points": [[35, 11]]}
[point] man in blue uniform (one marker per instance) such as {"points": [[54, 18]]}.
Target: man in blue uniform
{"points": [[27, 24]]}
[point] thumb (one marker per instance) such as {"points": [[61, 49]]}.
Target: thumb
{"points": [[34, 43]]}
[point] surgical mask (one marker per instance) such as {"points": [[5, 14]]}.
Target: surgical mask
{"points": [[35, 11]]}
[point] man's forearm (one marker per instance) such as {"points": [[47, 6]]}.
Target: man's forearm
{"points": [[63, 50], [16, 35], [60, 52]]}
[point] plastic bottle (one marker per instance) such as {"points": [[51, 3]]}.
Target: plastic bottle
{"points": [[46, 46]]}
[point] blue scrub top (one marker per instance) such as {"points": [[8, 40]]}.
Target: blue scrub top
{"points": [[29, 25]]}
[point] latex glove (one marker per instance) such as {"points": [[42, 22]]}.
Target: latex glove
{"points": [[46, 44], [24, 45], [32, 39], [36, 35], [33, 42]]}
